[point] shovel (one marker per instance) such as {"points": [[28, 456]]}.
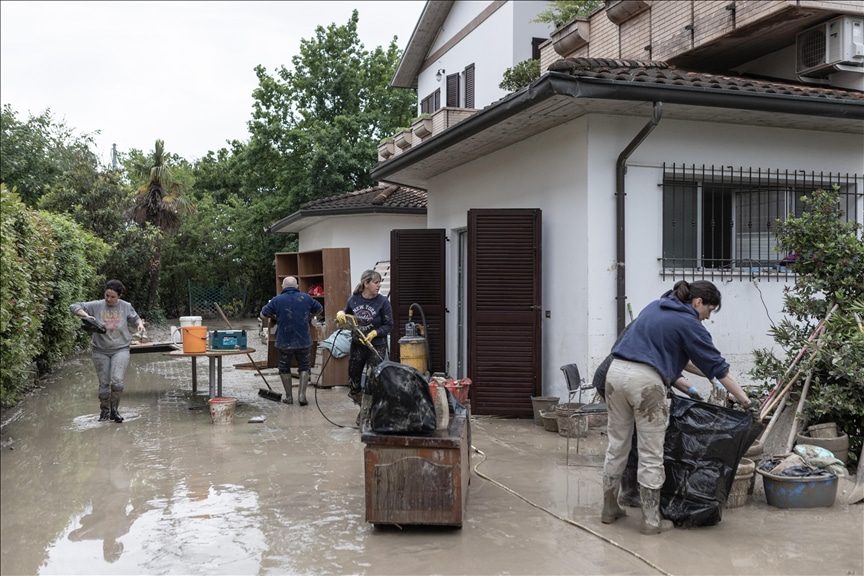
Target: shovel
{"points": [[267, 393]]}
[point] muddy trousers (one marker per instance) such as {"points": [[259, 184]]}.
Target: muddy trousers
{"points": [[111, 368], [635, 393], [359, 358]]}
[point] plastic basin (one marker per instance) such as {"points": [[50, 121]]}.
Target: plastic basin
{"points": [[805, 492]]}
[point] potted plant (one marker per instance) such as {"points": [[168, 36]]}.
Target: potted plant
{"points": [[828, 269], [422, 126], [385, 148]]}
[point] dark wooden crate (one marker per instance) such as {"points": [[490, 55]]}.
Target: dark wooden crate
{"points": [[418, 479]]}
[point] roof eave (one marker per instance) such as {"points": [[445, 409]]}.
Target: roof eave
{"points": [[558, 83], [279, 226], [424, 34]]}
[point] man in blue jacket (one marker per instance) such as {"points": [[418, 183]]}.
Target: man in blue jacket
{"points": [[293, 311]]}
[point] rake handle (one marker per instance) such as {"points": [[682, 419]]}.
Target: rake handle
{"points": [[255, 364]]}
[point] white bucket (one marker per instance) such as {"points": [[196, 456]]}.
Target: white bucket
{"points": [[177, 333]]}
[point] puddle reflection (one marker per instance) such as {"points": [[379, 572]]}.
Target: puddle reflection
{"points": [[199, 529]]}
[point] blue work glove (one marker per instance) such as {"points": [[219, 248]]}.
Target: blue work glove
{"points": [[694, 393]]}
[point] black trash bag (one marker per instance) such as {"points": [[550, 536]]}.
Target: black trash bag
{"points": [[704, 444], [93, 325], [401, 401]]}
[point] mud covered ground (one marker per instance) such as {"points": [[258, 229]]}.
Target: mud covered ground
{"points": [[167, 492]]}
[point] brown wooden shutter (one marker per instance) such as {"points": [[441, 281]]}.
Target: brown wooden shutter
{"points": [[437, 99], [453, 90], [417, 274], [469, 86], [504, 298]]}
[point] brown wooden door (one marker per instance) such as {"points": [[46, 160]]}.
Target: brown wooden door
{"points": [[504, 300], [417, 275]]}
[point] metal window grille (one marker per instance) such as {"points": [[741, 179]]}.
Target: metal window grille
{"points": [[721, 222]]}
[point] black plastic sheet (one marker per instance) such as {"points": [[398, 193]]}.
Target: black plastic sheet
{"points": [[401, 401], [704, 444]]}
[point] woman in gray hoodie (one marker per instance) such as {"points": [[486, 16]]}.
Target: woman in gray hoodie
{"points": [[110, 347]]}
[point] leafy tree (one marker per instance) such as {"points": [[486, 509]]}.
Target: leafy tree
{"points": [[316, 126], [520, 75], [829, 270], [561, 12], [157, 203], [40, 153]]}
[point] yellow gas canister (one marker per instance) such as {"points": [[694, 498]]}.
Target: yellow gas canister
{"points": [[412, 352]]}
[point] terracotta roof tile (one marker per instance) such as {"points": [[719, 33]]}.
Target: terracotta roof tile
{"points": [[383, 195], [662, 73]]}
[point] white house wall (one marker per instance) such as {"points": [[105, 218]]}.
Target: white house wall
{"points": [[495, 45], [559, 173], [367, 235]]}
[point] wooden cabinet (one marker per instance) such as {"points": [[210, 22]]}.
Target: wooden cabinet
{"points": [[326, 275], [418, 479]]}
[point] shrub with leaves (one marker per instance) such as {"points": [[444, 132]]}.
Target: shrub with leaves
{"points": [[47, 261], [829, 270], [520, 75], [561, 12]]}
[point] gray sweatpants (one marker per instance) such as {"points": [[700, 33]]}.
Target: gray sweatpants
{"points": [[635, 393], [111, 370]]}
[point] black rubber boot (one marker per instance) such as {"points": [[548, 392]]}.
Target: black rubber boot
{"points": [[115, 402], [104, 409]]}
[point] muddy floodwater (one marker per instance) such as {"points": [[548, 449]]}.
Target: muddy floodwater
{"points": [[168, 492]]}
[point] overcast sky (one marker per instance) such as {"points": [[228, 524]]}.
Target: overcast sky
{"points": [[179, 71]]}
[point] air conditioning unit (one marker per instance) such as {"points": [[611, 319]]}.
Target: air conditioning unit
{"points": [[835, 44]]}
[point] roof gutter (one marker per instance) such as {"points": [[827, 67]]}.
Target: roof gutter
{"points": [[620, 237], [559, 83]]}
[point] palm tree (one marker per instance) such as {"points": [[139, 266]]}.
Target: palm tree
{"points": [[157, 203]]}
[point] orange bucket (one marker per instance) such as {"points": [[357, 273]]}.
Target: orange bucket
{"points": [[194, 339]]}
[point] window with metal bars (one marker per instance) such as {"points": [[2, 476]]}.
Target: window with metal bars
{"points": [[722, 222]]}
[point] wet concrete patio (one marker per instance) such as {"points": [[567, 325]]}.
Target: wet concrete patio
{"points": [[167, 492]]}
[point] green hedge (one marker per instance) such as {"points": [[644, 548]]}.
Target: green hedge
{"points": [[47, 261]]}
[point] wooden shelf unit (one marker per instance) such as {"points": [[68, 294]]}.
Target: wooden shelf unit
{"points": [[331, 269]]}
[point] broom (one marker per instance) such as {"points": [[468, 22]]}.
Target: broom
{"points": [[267, 393]]}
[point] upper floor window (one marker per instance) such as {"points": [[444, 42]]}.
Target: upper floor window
{"points": [[535, 47], [468, 77], [431, 103], [720, 222]]}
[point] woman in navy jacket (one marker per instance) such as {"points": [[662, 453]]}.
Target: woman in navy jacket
{"points": [[666, 337]]}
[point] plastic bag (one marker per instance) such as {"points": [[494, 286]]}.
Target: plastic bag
{"points": [[704, 444], [401, 402], [816, 456], [339, 343]]}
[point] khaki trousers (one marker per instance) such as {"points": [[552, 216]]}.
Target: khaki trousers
{"points": [[635, 393]]}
